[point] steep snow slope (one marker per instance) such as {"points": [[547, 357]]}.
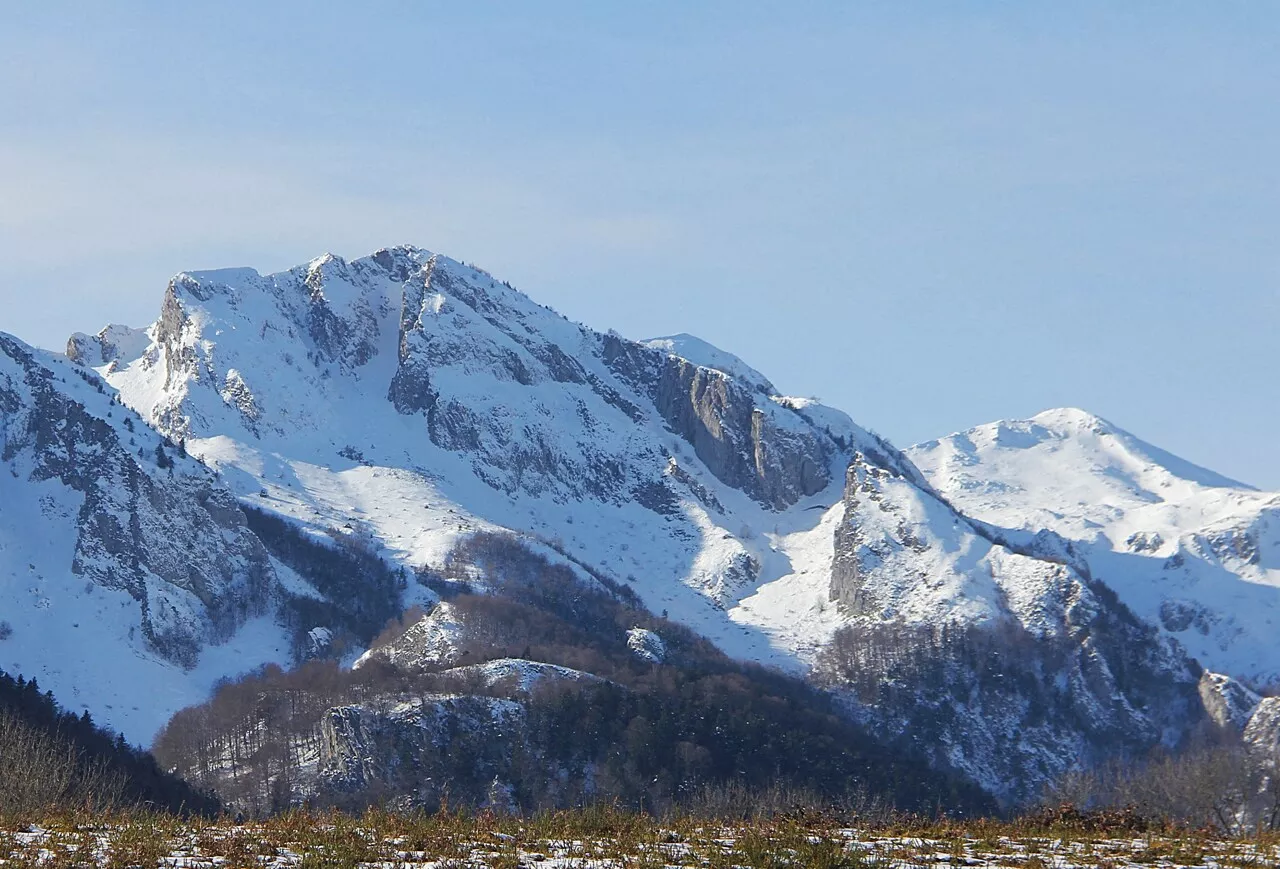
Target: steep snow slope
{"points": [[1188, 549], [121, 580]]}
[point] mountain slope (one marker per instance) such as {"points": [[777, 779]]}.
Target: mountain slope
{"points": [[123, 563], [404, 404], [1187, 549], [1003, 658]]}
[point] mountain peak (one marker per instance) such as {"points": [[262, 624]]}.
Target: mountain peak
{"points": [[323, 260], [1064, 418], [230, 276], [1069, 421], [1074, 441], [109, 344], [693, 349]]}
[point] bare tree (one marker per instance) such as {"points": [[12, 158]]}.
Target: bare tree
{"points": [[1217, 785]]}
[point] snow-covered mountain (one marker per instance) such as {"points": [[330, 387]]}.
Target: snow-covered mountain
{"points": [[1187, 549], [402, 402], [409, 400]]}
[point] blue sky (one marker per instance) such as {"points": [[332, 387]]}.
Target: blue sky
{"points": [[932, 215]]}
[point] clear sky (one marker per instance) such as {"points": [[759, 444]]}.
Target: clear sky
{"points": [[932, 215]]}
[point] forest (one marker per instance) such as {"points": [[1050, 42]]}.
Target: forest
{"points": [[642, 734]]}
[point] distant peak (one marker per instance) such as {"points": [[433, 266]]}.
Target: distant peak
{"points": [[1063, 424], [1072, 417], [325, 259], [411, 250], [112, 343]]}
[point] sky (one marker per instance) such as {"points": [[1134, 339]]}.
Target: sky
{"points": [[930, 214]]}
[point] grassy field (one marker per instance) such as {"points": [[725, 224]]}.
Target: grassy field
{"points": [[603, 838]]}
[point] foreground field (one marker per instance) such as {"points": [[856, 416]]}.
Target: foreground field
{"points": [[595, 839]]}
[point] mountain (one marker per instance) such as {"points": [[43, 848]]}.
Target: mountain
{"points": [[1189, 550], [351, 426], [416, 400], [996, 654]]}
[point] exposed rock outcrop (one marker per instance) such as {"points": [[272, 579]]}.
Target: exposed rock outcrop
{"points": [[761, 447], [110, 344], [739, 442], [432, 640], [1229, 704], [422, 748], [1262, 733], [647, 644]]}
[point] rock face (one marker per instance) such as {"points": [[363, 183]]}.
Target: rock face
{"points": [[1228, 704], [427, 747], [774, 457], [154, 525], [737, 441], [432, 640], [1263, 730], [647, 645]]}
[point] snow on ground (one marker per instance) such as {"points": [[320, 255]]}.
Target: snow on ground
{"points": [[519, 674], [508, 843], [700, 352], [793, 607]]}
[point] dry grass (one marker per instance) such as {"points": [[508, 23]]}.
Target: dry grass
{"points": [[602, 837]]}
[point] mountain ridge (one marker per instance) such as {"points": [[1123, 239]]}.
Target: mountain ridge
{"points": [[403, 403]]}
